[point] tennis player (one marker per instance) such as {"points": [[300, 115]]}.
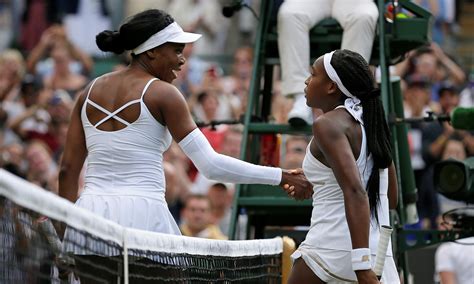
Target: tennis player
{"points": [[350, 165], [123, 122]]}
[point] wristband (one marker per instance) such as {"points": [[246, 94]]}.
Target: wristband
{"points": [[361, 259]]}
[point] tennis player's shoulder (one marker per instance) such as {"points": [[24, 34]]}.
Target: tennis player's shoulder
{"points": [[328, 125], [164, 89], [164, 95]]}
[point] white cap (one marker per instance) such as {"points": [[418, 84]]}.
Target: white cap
{"points": [[172, 33]]}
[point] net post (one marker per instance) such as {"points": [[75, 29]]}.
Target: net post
{"points": [[289, 247]]}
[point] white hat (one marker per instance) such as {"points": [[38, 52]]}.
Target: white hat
{"points": [[172, 33]]}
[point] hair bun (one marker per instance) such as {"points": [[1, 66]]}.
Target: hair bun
{"points": [[110, 41]]}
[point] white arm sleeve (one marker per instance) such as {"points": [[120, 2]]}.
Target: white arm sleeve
{"points": [[224, 168]]}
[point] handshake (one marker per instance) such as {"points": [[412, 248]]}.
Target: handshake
{"points": [[295, 184]]}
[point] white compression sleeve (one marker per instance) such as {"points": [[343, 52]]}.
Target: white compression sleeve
{"points": [[224, 168]]}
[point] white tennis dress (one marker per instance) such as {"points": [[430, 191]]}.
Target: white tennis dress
{"points": [[124, 179], [327, 247]]}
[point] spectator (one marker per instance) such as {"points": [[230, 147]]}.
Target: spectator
{"points": [[238, 83], [206, 108], [57, 118], [55, 53], [435, 135], [11, 159], [190, 78], [220, 195], [93, 12], [433, 64], [203, 17], [454, 262], [454, 149], [196, 219], [62, 78], [12, 69], [30, 90], [295, 150], [281, 105], [6, 25], [467, 94], [224, 106], [37, 16], [172, 193], [42, 170]]}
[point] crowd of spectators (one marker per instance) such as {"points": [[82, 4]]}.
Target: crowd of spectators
{"points": [[51, 55]]}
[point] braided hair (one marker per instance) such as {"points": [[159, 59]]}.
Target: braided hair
{"points": [[355, 74]]}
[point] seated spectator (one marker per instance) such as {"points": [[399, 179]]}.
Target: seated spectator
{"points": [[238, 82], [434, 65], [224, 105], [62, 78], [454, 149], [295, 150], [467, 94], [416, 97], [454, 262], [436, 135], [12, 69], [220, 195], [172, 192], [11, 159], [54, 41], [196, 219], [191, 75], [42, 170], [57, 122], [30, 90], [281, 105], [206, 108]]}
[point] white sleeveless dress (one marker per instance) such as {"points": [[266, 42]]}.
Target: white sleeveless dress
{"points": [[327, 247], [124, 179]]}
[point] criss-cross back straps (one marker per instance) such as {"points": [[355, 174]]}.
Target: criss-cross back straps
{"points": [[112, 114]]}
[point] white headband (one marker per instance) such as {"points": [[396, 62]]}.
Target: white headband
{"points": [[333, 74], [172, 33]]}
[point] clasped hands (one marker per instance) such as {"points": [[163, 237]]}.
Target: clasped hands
{"points": [[295, 184]]}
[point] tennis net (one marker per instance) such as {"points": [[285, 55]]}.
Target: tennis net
{"points": [[46, 239]]}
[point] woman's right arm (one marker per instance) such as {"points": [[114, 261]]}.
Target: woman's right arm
{"points": [[175, 114], [74, 154], [336, 148]]}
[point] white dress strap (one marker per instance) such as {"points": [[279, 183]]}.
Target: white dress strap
{"points": [[147, 85], [90, 88]]}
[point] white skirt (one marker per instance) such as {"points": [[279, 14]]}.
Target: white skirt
{"points": [[148, 213], [334, 266]]}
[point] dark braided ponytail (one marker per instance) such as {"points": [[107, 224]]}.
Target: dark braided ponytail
{"points": [[355, 74]]}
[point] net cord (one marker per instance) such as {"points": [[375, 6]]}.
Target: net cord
{"points": [[49, 204]]}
